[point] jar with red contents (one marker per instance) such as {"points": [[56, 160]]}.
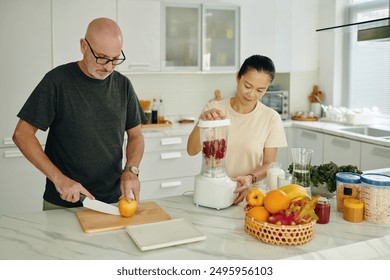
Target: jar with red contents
{"points": [[322, 210]]}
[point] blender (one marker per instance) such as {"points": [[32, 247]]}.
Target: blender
{"points": [[213, 188]]}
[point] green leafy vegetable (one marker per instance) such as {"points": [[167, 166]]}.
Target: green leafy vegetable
{"points": [[326, 173]]}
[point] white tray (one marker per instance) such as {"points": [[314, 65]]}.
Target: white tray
{"points": [[164, 234]]}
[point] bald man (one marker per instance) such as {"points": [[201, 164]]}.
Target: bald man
{"points": [[87, 107]]}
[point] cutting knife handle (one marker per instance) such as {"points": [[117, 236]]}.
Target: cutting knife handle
{"points": [[82, 197]]}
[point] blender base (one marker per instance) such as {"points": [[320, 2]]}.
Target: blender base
{"points": [[215, 193]]}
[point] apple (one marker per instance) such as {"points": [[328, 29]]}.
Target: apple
{"points": [[255, 197], [127, 208]]}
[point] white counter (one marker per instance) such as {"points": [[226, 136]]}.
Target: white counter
{"points": [[334, 129], [57, 234]]}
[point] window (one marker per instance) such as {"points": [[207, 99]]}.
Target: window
{"points": [[369, 62]]}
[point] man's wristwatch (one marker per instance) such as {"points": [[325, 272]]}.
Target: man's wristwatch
{"points": [[132, 169]]}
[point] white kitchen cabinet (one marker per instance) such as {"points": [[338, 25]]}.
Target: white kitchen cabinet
{"points": [[221, 39], [284, 155], [374, 157], [140, 22], [181, 34], [341, 151], [21, 184], [70, 21], [310, 140], [166, 168], [200, 37], [25, 29]]}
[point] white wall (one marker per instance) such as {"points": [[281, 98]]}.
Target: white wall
{"points": [[183, 93], [330, 50]]}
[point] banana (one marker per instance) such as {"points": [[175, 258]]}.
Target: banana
{"points": [[294, 191]]}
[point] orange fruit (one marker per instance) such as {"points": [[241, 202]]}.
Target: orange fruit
{"points": [[276, 200], [259, 213], [126, 208]]}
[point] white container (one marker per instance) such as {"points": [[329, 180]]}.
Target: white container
{"points": [[375, 194], [274, 171]]}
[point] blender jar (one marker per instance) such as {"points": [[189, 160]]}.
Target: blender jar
{"points": [[213, 136], [213, 188]]}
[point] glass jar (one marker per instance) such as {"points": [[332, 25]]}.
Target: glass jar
{"points": [[322, 210], [353, 210], [348, 186]]}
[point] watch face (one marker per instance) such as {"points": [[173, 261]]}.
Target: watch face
{"points": [[134, 169]]}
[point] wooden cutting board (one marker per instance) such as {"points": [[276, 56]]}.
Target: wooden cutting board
{"points": [[148, 212]]}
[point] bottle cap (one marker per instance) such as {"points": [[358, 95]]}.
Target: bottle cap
{"points": [[322, 200]]}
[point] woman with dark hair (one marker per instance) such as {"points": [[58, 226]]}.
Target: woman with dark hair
{"points": [[256, 131]]}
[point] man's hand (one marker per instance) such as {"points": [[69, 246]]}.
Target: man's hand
{"points": [[70, 190], [130, 185]]}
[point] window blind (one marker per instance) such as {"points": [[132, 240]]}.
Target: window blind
{"points": [[369, 62]]}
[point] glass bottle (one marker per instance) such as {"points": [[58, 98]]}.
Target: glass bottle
{"points": [[154, 111], [274, 171], [160, 113]]}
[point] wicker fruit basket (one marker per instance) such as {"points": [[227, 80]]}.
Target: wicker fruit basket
{"points": [[279, 234]]}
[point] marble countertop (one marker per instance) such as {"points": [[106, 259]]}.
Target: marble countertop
{"points": [[57, 234]]}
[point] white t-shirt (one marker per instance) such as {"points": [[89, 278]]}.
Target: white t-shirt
{"points": [[248, 134]]}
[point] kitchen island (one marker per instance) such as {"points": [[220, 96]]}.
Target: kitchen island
{"points": [[57, 234]]}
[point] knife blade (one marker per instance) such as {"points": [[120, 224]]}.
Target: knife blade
{"points": [[99, 205]]}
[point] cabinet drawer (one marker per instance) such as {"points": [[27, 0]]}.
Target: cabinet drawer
{"points": [[311, 140], [164, 188], [341, 151], [374, 157], [165, 143], [168, 164]]}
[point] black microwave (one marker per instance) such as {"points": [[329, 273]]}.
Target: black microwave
{"points": [[279, 101]]}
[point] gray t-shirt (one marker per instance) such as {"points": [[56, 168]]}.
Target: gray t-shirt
{"points": [[87, 119]]}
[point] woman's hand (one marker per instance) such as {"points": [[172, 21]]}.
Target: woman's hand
{"points": [[243, 185], [212, 114]]}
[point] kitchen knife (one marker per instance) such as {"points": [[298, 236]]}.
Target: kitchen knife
{"points": [[98, 205]]}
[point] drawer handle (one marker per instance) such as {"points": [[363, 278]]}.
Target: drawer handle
{"points": [[309, 135], [171, 155], [13, 154], [341, 143], [8, 141], [138, 65], [170, 184], [171, 141]]}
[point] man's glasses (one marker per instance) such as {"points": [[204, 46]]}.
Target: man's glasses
{"points": [[104, 60]]}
